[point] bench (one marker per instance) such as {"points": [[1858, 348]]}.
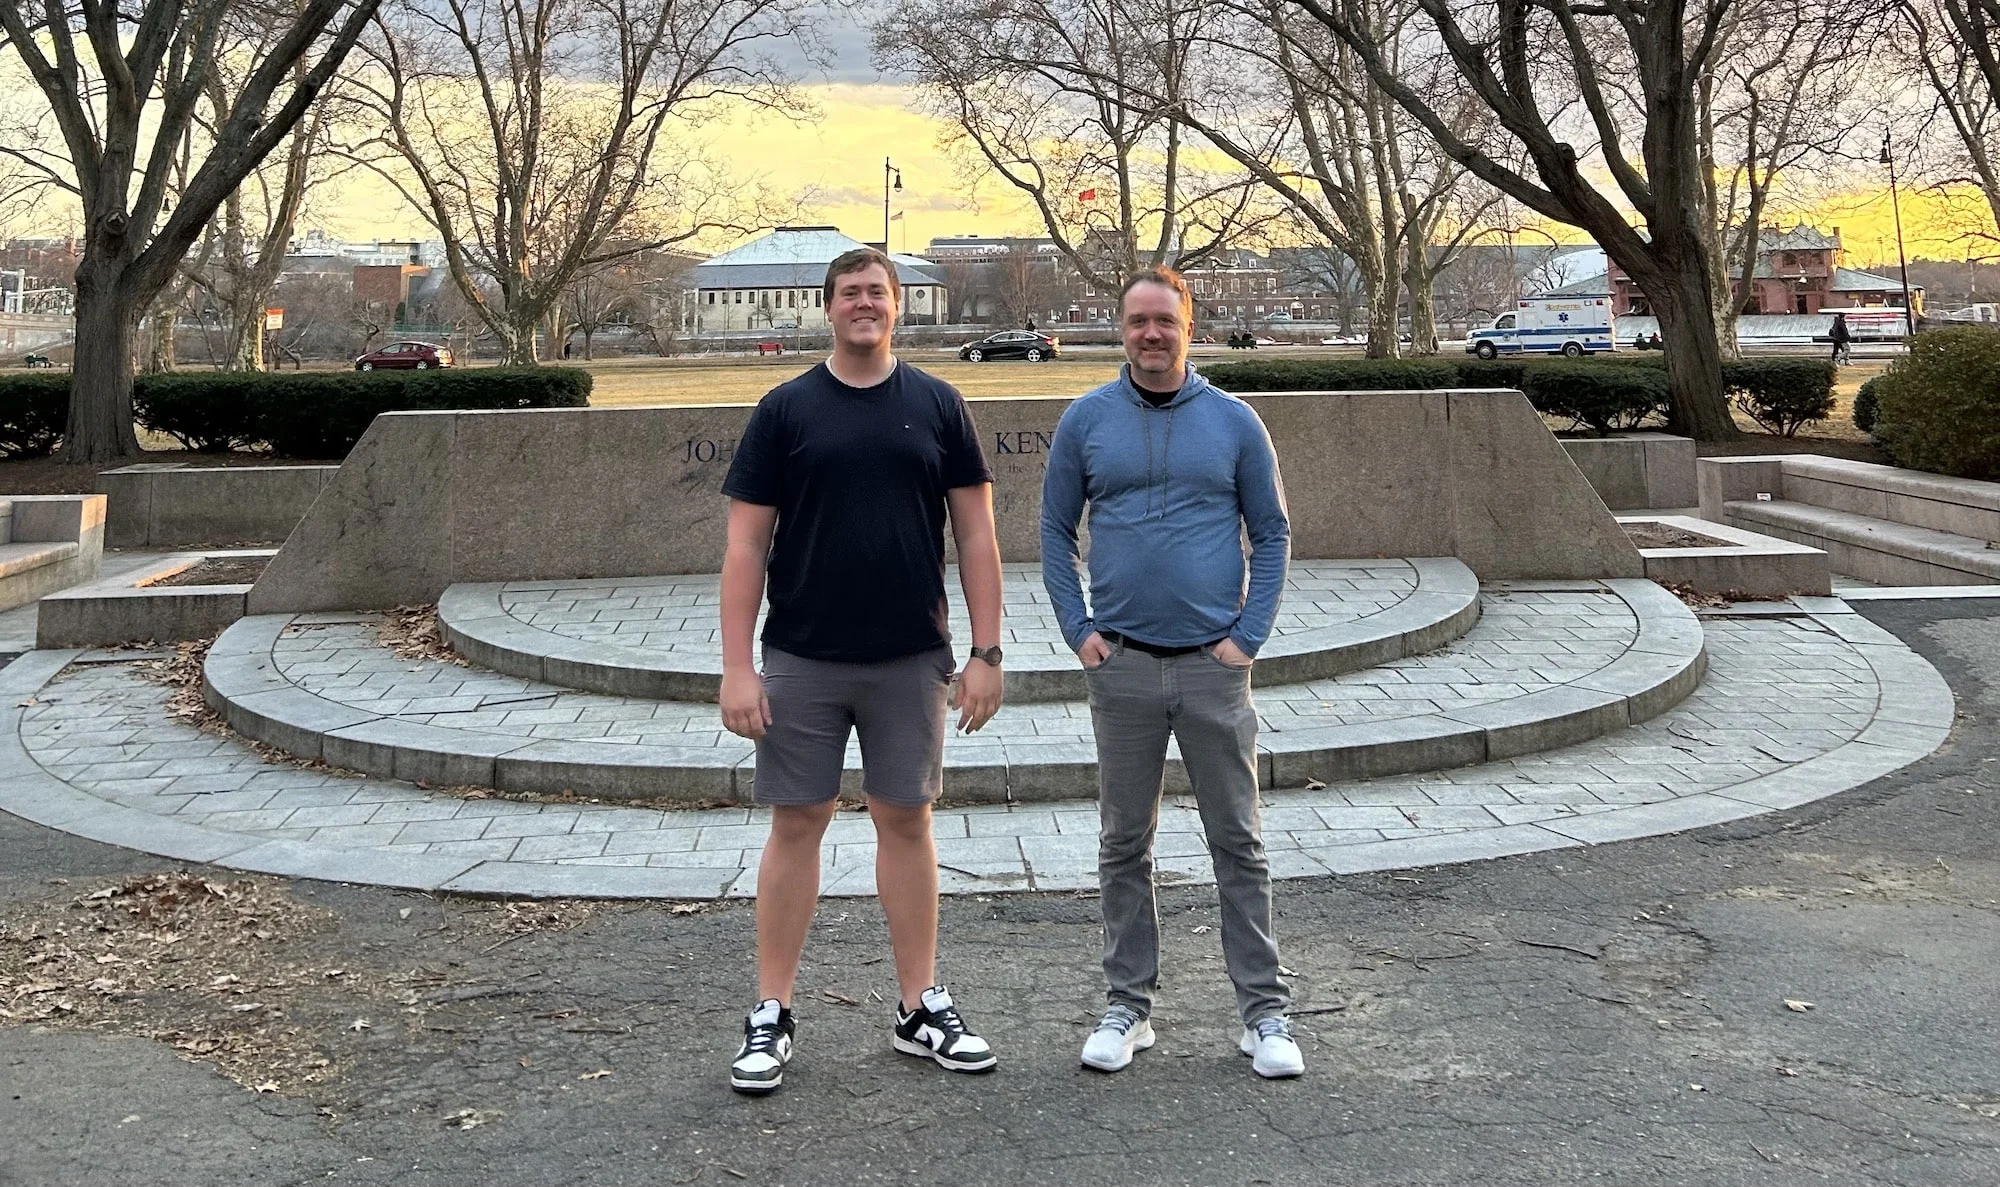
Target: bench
{"points": [[47, 543], [764, 348]]}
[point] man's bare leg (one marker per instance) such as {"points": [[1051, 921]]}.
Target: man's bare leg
{"points": [[906, 881], [788, 892]]}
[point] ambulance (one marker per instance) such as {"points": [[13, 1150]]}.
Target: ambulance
{"points": [[1568, 325]]}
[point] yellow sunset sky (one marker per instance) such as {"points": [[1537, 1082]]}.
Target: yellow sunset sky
{"points": [[832, 165]]}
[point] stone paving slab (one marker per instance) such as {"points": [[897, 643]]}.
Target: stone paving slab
{"points": [[1542, 666], [1790, 712], [660, 637]]}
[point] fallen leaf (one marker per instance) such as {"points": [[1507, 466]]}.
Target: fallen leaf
{"points": [[359, 1025], [266, 1086], [1796, 1006], [599, 1074], [687, 908], [1785, 1071], [1315, 785], [471, 1118], [1201, 929], [403, 914]]}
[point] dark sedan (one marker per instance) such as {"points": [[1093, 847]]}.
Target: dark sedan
{"points": [[1031, 345], [418, 356]]}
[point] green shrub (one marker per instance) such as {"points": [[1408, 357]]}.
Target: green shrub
{"points": [[1781, 394], [1868, 405], [34, 411], [1940, 404], [209, 412], [1602, 397], [1332, 375]]}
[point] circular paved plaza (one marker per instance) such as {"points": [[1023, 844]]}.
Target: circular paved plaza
{"points": [[570, 747]]}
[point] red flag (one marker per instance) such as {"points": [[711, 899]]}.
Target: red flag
{"points": [[1089, 195]]}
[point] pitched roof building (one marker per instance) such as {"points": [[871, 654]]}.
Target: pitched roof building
{"points": [[779, 281], [1797, 271]]}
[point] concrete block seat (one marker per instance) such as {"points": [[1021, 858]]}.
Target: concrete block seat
{"points": [[657, 636], [1878, 523], [1547, 664], [47, 543]]}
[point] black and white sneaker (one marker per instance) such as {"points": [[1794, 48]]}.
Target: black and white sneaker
{"points": [[935, 1031], [767, 1048]]}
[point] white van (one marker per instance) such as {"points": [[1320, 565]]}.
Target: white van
{"points": [[1569, 325]]}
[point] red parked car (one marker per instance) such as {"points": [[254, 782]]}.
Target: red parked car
{"points": [[420, 356]]}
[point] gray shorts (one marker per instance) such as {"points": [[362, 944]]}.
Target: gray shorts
{"points": [[897, 706]]}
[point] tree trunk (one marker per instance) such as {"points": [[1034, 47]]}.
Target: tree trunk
{"points": [[246, 339], [518, 339], [1694, 357], [1383, 308], [100, 403], [1423, 313]]}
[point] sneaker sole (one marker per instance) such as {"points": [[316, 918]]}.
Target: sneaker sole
{"points": [[1137, 1045], [912, 1047], [755, 1087]]}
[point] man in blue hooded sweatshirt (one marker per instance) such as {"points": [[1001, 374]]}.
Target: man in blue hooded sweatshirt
{"points": [[1174, 473]]}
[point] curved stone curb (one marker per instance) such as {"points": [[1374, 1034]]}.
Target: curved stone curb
{"points": [[1912, 717], [1661, 667], [242, 682], [1443, 606]]}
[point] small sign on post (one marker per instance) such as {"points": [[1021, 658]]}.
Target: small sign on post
{"points": [[274, 319]]}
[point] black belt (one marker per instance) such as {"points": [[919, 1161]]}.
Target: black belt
{"points": [[1153, 649]]}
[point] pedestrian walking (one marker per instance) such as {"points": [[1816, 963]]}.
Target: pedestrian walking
{"points": [[840, 492], [1173, 473], [1843, 339]]}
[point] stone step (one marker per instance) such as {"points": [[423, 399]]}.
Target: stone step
{"points": [[1870, 548], [1547, 665], [658, 637]]}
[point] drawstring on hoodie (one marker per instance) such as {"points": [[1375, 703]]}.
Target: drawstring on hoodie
{"points": [[1165, 456]]}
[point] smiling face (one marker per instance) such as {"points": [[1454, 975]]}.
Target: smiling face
{"points": [[863, 308], [1157, 330]]}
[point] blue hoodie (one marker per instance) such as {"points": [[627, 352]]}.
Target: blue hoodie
{"points": [[1171, 491]]}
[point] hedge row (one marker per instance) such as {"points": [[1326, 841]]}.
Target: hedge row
{"points": [[1938, 407], [316, 415], [1605, 393]]}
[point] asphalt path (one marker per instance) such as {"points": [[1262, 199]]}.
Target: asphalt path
{"points": [[1612, 1014]]}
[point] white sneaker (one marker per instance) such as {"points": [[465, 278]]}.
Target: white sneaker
{"points": [[1119, 1033], [1274, 1055]]}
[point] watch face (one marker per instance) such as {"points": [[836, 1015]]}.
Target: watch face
{"points": [[991, 654]]}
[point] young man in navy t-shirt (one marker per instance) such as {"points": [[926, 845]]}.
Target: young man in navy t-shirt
{"points": [[840, 491]]}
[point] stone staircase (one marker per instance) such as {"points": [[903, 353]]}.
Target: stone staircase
{"points": [[605, 688], [1879, 523]]}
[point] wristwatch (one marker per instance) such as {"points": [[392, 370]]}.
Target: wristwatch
{"points": [[990, 654]]}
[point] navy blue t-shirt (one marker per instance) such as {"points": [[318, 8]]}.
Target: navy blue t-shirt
{"points": [[858, 475]]}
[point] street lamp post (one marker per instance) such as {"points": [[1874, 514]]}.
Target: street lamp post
{"points": [[889, 173], [1902, 262]]}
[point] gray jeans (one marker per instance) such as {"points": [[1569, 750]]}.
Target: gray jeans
{"points": [[1136, 702]]}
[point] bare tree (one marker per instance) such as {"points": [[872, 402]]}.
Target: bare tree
{"points": [[1782, 93], [1528, 61], [1954, 46], [537, 136], [124, 84], [1070, 103]]}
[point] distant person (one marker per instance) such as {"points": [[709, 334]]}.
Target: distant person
{"points": [[1843, 339], [1030, 325], [840, 491], [566, 348], [1167, 640]]}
